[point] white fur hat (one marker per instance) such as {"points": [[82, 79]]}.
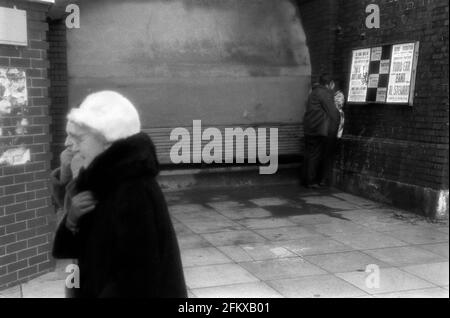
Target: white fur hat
{"points": [[109, 113]]}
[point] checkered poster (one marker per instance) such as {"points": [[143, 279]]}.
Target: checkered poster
{"points": [[379, 67], [383, 74]]}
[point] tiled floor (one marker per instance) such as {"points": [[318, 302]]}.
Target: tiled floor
{"points": [[285, 241]]}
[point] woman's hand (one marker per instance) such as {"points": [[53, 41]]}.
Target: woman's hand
{"points": [[65, 161], [81, 204], [339, 99]]}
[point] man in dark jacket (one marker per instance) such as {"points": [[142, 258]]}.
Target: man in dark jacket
{"points": [[321, 123], [117, 224]]}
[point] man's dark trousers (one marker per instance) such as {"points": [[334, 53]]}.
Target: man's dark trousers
{"points": [[315, 150], [325, 169]]}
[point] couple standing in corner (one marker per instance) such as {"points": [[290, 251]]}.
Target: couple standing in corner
{"points": [[116, 224], [323, 125]]}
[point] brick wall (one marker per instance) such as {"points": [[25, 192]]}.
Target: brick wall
{"points": [[398, 154], [319, 19], [27, 220]]}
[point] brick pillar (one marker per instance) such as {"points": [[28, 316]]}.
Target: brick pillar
{"points": [[27, 218], [57, 56], [392, 154]]}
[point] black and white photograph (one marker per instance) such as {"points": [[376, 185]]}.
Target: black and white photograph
{"points": [[195, 150]]}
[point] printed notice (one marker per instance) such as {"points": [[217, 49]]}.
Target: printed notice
{"points": [[381, 94], [373, 80], [376, 53], [384, 66], [13, 123], [400, 75], [16, 156], [359, 75]]}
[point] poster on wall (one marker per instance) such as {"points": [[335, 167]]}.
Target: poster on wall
{"points": [[373, 80], [389, 74], [381, 94], [359, 75], [13, 91], [13, 123], [401, 71], [15, 156], [376, 53], [385, 66]]}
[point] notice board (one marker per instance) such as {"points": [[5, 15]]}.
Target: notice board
{"points": [[384, 74], [13, 27]]}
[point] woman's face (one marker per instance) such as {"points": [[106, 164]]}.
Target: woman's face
{"points": [[84, 142]]}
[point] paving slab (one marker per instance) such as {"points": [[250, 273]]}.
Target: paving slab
{"points": [[331, 202], [219, 197], [322, 286], [47, 286], [391, 280], [226, 205], [211, 226], [287, 233], [405, 255], [366, 216], [210, 215], [233, 238], [419, 235], [265, 223], [236, 253], [441, 249], [365, 241], [389, 225], [192, 241], [203, 256], [271, 201], [186, 208], [12, 292], [245, 213], [191, 294], [357, 200], [444, 229], [282, 268], [248, 290], [436, 292], [436, 273], [338, 227], [181, 229], [312, 219], [217, 275], [344, 262], [266, 251], [315, 246]]}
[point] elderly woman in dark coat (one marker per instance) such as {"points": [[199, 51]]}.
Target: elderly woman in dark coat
{"points": [[116, 224]]}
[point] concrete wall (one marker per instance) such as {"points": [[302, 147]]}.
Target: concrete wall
{"points": [[225, 62]]}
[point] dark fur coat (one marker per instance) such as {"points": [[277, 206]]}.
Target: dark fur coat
{"points": [[127, 246]]}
